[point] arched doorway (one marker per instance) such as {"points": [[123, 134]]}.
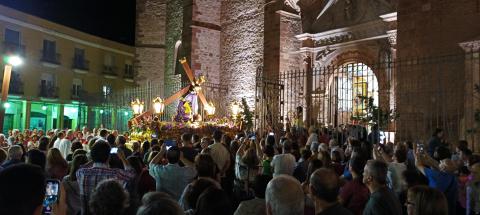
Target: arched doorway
{"points": [[350, 87]]}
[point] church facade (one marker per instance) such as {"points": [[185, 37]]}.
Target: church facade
{"points": [[416, 59]]}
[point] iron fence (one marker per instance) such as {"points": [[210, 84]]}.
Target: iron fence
{"points": [[409, 97]]}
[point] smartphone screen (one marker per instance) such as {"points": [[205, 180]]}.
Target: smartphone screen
{"points": [[114, 150], [170, 143], [51, 195], [271, 134]]}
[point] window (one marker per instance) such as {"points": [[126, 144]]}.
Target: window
{"points": [[47, 80], [107, 90], [109, 60], [128, 69], [79, 55], [76, 87], [12, 36], [50, 50]]}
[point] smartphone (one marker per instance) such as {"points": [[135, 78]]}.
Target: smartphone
{"points": [[271, 134], [420, 147], [170, 143], [51, 195], [114, 150]]}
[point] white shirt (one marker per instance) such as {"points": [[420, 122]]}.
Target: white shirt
{"points": [[395, 171], [283, 164], [64, 147], [56, 144], [219, 154]]}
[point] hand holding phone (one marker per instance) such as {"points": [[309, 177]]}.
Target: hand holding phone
{"points": [[51, 195], [114, 150]]}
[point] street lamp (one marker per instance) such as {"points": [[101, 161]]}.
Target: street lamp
{"points": [[137, 106], [158, 105], [10, 62]]}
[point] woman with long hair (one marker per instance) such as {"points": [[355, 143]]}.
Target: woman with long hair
{"points": [[57, 166], [71, 186]]}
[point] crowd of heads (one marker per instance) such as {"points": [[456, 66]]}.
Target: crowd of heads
{"points": [[344, 170]]}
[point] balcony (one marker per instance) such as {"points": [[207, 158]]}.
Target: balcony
{"points": [[80, 65], [50, 59], [48, 91], [16, 85], [78, 95], [128, 77], [110, 72], [11, 48]]}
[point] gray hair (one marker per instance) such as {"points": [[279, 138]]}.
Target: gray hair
{"points": [[377, 170], [15, 152], [284, 196]]}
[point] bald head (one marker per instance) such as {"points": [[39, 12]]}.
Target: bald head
{"points": [[284, 196], [324, 185]]}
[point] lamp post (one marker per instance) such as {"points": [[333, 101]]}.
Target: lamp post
{"points": [[10, 62]]}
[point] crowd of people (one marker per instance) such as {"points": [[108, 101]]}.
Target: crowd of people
{"points": [[319, 172]]}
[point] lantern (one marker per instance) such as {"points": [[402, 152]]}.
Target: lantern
{"points": [[137, 106], [210, 109], [158, 105], [235, 109]]}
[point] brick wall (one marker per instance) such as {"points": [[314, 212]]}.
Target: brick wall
{"points": [[150, 40], [241, 47], [431, 93], [205, 39]]}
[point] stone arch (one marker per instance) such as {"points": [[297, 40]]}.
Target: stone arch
{"points": [[358, 54]]}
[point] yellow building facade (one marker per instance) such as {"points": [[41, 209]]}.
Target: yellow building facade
{"points": [[64, 76]]}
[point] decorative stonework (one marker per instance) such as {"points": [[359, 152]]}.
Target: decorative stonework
{"points": [[392, 37], [471, 46], [293, 4]]}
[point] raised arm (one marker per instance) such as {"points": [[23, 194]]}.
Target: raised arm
{"points": [[159, 155]]}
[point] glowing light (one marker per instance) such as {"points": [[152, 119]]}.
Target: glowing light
{"points": [[126, 113], [137, 106], [158, 105], [101, 111], [6, 105], [210, 109], [14, 60], [44, 107], [235, 108]]}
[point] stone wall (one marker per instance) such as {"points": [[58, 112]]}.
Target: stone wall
{"points": [[430, 76], [150, 40], [241, 47], [205, 39]]}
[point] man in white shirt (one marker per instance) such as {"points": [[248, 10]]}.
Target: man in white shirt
{"points": [[60, 136], [219, 153], [66, 143], [284, 163]]}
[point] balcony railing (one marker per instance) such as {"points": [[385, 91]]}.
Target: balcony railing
{"points": [[79, 95], [13, 48], [48, 91], [16, 85], [50, 57], [82, 64], [110, 70]]}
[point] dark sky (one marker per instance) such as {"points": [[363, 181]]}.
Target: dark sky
{"points": [[111, 19]]}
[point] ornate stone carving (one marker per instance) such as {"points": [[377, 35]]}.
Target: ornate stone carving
{"points": [[323, 53], [471, 46], [293, 4], [392, 37]]}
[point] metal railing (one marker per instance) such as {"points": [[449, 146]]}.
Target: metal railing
{"points": [[50, 57], [81, 63], [48, 91]]}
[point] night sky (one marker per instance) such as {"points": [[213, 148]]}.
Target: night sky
{"points": [[111, 19]]}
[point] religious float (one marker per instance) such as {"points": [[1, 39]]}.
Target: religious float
{"points": [[146, 125]]}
